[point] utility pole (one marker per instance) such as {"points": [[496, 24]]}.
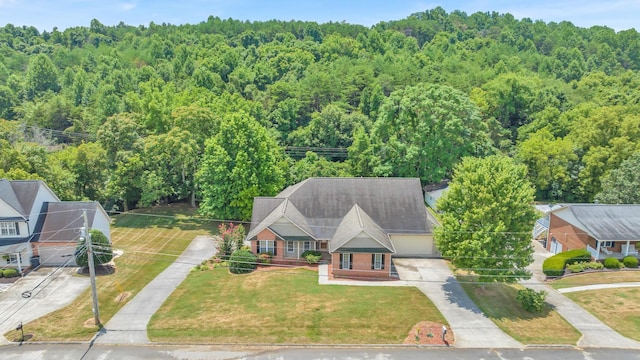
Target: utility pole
{"points": [[92, 271]]}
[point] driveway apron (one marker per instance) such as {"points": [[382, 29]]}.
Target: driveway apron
{"points": [[129, 325], [594, 332], [471, 328]]}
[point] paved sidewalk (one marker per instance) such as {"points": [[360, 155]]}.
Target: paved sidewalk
{"points": [[471, 328], [129, 325], [599, 286], [594, 332]]}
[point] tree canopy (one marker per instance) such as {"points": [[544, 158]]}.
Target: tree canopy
{"points": [[123, 114], [486, 220]]}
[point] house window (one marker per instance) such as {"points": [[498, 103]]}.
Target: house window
{"points": [[9, 228], [346, 261], [377, 261], [307, 246], [290, 246], [606, 243], [13, 258], [266, 246]]}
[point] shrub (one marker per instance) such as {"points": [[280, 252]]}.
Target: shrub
{"points": [[582, 266], [612, 263], [1, 271], [554, 265], [102, 251], [9, 273], [313, 259], [230, 239], [242, 261], [531, 300], [264, 258], [594, 265], [311, 252], [577, 267], [630, 262]]}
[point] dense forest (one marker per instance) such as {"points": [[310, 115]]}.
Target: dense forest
{"points": [[218, 112]]}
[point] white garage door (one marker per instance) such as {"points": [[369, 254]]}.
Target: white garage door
{"points": [[57, 255], [413, 245]]}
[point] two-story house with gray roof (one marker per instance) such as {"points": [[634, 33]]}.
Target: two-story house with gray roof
{"points": [[37, 228], [356, 223]]}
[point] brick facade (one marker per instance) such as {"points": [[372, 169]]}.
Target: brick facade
{"points": [[570, 236], [361, 267]]}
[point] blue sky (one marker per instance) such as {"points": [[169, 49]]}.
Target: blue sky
{"points": [[45, 14]]}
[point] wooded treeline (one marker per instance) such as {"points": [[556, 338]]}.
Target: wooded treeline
{"points": [[225, 110]]}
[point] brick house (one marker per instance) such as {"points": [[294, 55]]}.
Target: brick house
{"points": [[604, 230], [357, 224]]}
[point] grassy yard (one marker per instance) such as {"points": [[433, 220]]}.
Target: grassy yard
{"points": [[618, 308], [287, 307], [151, 240], [597, 277], [498, 302]]}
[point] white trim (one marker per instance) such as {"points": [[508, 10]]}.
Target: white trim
{"points": [[378, 263]]}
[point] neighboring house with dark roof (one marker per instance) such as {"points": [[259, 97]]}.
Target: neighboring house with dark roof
{"points": [[37, 228], [356, 223], [604, 230]]}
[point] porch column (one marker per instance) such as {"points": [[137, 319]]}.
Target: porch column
{"points": [[19, 263], [598, 249], [626, 251]]}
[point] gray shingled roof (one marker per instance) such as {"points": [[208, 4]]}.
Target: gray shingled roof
{"points": [[604, 222], [395, 205], [64, 219], [20, 194], [355, 222]]}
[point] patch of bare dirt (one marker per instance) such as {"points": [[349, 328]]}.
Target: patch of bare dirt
{"points": [[122, 296], [429, 333]]}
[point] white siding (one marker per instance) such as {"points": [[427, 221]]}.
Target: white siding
{"points": [[102, 222], [284, 227], [8, 211], [362, 240], [413, 245]]}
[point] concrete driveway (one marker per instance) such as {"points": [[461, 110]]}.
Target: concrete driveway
{"points": [[50, 288], [129, 325], [471, 328]]}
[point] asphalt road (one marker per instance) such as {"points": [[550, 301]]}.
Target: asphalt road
{"points": [[126, 352]]}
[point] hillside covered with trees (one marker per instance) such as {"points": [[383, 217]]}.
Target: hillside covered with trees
{"points": [[224, 110]]}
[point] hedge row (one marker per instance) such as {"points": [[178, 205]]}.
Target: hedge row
{"points": [[554, 266]]}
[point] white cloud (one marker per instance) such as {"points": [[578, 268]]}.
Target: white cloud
{"points": [[125, 6], [7, 3]]}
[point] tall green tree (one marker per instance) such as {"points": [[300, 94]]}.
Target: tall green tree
{"points": [[620, 186], [424, 130], [240, 163], [42, 75], [487, 217]]}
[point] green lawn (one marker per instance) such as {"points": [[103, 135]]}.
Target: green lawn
{"points": [[597, 277], [498, 302], [150, 244], [287, 307], [618, 308]]}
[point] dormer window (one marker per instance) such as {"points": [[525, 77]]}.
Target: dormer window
{"points": [[9, 228]]}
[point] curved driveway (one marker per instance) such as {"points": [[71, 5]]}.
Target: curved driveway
{"points": [[129, 325]]}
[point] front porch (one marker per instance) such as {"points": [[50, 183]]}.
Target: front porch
{"points": [[616, 249]]}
